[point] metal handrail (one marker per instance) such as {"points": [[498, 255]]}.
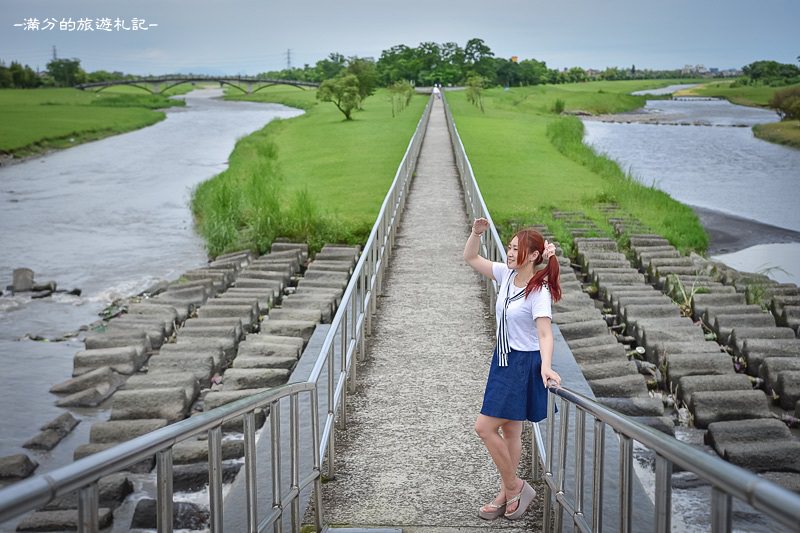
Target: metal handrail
{"points": [[727, 480], [83, 475], [345, 338]]}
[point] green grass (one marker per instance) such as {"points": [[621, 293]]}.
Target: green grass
{"points": [[315, 178], [749, 95], [529, 162], [785, 132], [36, 120]]}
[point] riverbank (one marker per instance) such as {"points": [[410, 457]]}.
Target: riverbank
{"points": [[729, 233], [785, 132], [316, 178], [530, 161], [40, 121]]}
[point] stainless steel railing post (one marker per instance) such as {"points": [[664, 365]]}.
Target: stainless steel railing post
{"points": [[562, 463], [597, 475], [215, 477], [663, 495], [548, 493], [164, 490], [315, 437], [275, 440], [250, 471], [625, 482], [294, 444], [88, 509], [721, 511], [580, 446]]}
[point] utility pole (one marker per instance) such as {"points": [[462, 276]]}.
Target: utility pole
{"points": [[55, 56], [288, 59]]}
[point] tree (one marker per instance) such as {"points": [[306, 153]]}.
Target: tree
{"points": [[66, 72], [343, 92], [327, 69], [475, 85], [366, 72]]}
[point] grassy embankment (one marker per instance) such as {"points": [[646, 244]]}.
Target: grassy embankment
{"points": [[38, 120], [785, 132], [315, 178], [530, 161]]}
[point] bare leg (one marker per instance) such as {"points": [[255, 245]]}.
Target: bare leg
{"points": [[512, 436], [487, 429]]}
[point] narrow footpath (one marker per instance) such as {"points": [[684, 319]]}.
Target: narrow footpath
{"points": [[410, 458]]}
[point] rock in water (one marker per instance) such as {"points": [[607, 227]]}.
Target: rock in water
{"points": [[23, 280]]}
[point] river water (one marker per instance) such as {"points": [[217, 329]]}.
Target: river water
{"points": [[718, 165], [110, 217]]}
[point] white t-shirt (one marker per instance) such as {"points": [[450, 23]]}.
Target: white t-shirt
{"points": [[523, 312]]}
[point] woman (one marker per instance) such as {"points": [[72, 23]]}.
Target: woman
{"points": [[521, 363]]}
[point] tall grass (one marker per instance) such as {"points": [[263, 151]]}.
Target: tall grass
{"points": [[666, 216], [248, 206]]}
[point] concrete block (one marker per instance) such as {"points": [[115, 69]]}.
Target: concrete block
{"points": [[636, 406], [98, 341], [17, 466], [103, 374], [722, 434], [689, 384], [302, 314], [124, 360], [680, 365], [254, 378], [202, 367], [289, 328], [196, 451], [61, 520], [165, 379], [167, 403], [788, 388], [123, 430], [196, 347], [772, 366], [718, 406], [781, 455], [626, 386], [91, 397]]}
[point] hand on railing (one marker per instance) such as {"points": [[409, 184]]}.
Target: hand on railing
{"points": [[550, 376]]}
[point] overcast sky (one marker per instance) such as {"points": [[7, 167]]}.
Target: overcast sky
{"points": [[251, 36]]}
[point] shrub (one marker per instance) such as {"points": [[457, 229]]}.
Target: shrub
{"points": [[558, 106], [787, 103]]}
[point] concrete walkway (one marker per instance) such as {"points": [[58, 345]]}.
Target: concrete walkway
{"points": [[410, 458]]}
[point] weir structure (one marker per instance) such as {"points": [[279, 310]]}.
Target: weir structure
{"points": [[285, 467]]}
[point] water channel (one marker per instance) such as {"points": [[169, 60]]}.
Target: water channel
{"points": [[704, 154], [110, 217]]}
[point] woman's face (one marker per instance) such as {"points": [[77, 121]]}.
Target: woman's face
{"points": [[511, 255]]}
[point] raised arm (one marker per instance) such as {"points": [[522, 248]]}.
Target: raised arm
{"points": [[478, 263]]}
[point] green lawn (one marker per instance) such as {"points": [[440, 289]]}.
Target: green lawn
{"points": [[749, 95], [35, 120], [529, 161], [324, 178]]}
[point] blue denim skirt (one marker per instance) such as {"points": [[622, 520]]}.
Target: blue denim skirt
{"points": [[516, 391]]}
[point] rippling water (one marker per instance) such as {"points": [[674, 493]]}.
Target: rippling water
{"points": [[109, 217]]}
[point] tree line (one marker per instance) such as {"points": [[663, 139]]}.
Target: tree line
{"points": [[59, 73], [450, 64]]}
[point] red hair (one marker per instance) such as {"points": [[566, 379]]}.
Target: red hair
{"points": [[529, 241]]}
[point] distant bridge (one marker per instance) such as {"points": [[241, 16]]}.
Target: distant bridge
{"points": [[158, 85]]}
